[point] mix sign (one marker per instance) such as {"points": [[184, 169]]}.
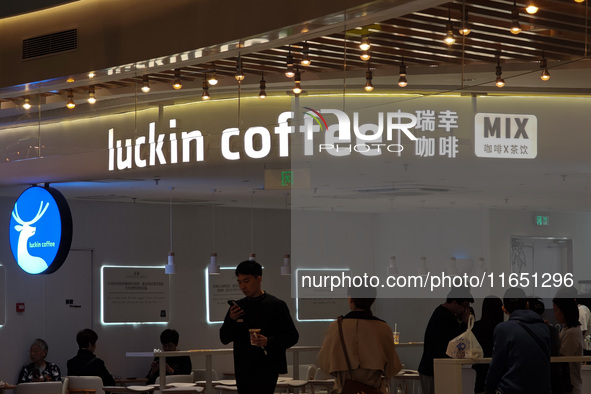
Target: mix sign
{"points": [[503, 136], [334, 132]]}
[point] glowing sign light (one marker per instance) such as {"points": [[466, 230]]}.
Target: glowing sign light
{"points": [[40, 230]]}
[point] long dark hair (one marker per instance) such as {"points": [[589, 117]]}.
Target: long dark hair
{"points": [[570, 310], [492, 311]]}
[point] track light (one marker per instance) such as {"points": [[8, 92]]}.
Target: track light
{"points": [[364, 45], [465, 28], [177, 79], [263, 87], [146, 84], [368, 77], [91, 97], [402, 82], [239, 73], [515, 26], [205, 95], [365, 55], [297, 88], [306, 55], [70, 104], [27, 104], [500, 82], [544, 66], [289, 73], [531, 7]]}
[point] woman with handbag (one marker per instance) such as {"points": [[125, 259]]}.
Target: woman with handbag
{"points": [[566, 313], [358, 349]]}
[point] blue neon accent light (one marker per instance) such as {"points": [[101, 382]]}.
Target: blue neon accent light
{"points": [[40, 230]]}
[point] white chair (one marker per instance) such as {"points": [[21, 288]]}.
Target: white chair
{"points": [[40, 388], [177, 384], [200, 376], [65, 382], [407, 380], [190, 378], [85, 385], [226, 386], [306, 373], [322, 382]]}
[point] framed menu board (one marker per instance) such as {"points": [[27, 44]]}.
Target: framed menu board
{"points": [[134, 295]]}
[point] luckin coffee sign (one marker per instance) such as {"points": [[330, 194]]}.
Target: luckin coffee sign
{"points": [[40, 230]]}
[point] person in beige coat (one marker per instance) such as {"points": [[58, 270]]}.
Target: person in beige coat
{"points": [[369, 343]]}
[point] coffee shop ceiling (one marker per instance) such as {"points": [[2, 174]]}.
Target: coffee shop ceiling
{"points": [[397, 32]]}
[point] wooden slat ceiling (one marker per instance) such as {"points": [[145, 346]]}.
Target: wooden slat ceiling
{"points": [[559, 31]]}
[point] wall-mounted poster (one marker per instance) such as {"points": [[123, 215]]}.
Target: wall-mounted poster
{"points": [[319, 303], [134, 295], [221, 288], [2, 296]]}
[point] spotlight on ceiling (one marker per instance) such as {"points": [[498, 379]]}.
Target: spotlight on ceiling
{"points": [[145, 84], [368, 77], [177, 79], [500, 82], [402, 82], [263, 87], [91, 96], [515, 26], [544, 66], [297, 88], [70, 104]]}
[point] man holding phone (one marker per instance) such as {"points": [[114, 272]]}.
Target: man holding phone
{"points": [[261, 329]]}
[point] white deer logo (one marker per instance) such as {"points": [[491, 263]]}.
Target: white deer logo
{"points": [[31, 264]]}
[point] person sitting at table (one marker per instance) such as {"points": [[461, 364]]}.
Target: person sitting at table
{"points": [[39, 370], [176, 365], [85, 363]]}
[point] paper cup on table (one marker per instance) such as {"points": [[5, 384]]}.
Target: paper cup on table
{"points": [[254, 333]]}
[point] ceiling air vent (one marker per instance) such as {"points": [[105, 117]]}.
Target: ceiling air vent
{"points": [[50, 44]]}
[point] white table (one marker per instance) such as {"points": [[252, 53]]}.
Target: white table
{"points": [[209, 353], [448, 371]]}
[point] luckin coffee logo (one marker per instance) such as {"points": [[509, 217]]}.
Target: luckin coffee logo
{"points": [[344, 137], [40, 230], [33, 264]]}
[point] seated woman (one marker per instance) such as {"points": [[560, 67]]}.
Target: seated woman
{"points": [[39, 370], [369, 343]]}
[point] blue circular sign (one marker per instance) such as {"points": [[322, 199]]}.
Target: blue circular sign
{"points": [[40, 230]]}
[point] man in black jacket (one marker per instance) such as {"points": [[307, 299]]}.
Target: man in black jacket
{"points": [[260, 358], [85, 363], [447, 322]]}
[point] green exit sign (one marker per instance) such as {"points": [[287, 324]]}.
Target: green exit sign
{"points": [[542, 220]]}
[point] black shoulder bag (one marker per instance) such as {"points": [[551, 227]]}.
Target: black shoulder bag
{"points": [[559, 372]]}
